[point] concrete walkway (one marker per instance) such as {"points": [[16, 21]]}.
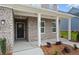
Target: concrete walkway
{"points": [[34, 51], [71, 43]]}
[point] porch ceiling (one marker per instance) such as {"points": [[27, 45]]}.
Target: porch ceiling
{"points": [[34, 11], [21, 13]]}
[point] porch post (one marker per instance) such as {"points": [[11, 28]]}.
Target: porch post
{"points": [[57, 29], [69, 29], [39, 29]]}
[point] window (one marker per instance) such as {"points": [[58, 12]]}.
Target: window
{"points": [[50, 6], [36, 5], [45, 6], [53, 25], [42, 26]]}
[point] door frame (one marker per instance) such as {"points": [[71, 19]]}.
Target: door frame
{"points": [[16, 30]]}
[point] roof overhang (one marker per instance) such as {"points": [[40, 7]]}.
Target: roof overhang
{"points": [[43, 11]]}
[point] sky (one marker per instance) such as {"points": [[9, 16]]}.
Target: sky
{"points": [[67, 7]]}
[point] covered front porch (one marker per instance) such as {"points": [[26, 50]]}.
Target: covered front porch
{"points": [[39, 14], [41, 37], [44, 13]]}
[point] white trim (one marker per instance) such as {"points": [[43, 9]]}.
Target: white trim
{"points": [[69, 29], [24, 30], [57, 29], [39, 29], [28, 30]]}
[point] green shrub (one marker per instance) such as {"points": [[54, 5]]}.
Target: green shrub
{"points": [[3, 46], [75, 47], [48, 44], [64, 34], [0, 42], [77, 37], [74, 35], [66, 50]]}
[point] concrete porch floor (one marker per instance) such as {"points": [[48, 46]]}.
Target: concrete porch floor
{"points": [[23, 47]]}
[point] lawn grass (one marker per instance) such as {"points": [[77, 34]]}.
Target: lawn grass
{"points": [[74, 36], [64, 34]]}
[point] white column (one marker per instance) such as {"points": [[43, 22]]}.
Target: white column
{"points": [[69, 29], [39, 29], [57, 29]]}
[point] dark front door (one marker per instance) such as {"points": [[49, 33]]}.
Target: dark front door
{"points": [[20, 30]]}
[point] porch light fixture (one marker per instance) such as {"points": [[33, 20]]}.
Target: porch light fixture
{"points": [[2, 22]]}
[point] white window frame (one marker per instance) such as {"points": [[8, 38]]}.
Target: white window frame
{"points": [[43, 27], [52, 26]]}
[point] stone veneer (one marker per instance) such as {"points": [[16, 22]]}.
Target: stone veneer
{"points": [[7, 30]]}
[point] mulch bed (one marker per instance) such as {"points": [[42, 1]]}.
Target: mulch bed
{"points": [[59, 48]]}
